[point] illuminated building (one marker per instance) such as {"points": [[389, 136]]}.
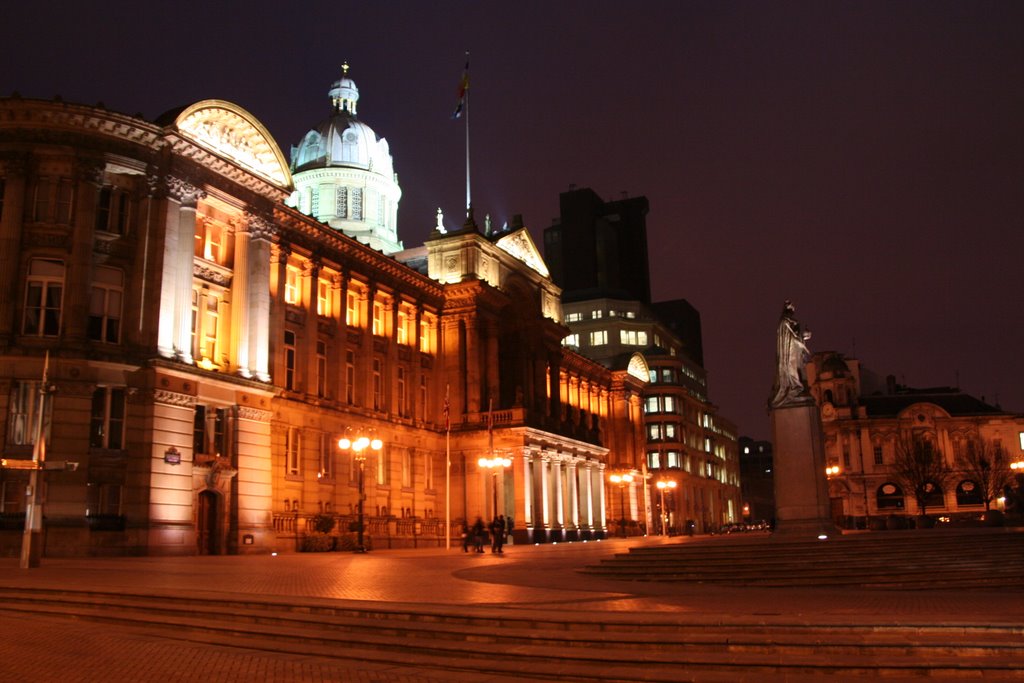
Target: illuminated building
{"points": [[864, 419], [601, 252], [209, 345]]}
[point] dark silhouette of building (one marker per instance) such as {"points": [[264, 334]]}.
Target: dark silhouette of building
{"points": [[598, 249]]}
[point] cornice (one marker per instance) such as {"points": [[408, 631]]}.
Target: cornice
{"points": [[333, 245]]}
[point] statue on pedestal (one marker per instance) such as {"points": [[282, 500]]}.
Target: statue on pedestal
{"points": [[791, 357]]}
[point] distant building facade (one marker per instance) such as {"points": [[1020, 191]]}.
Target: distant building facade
{"points": [[209, 345], [864, 420], [757, 481], [608, 310]]}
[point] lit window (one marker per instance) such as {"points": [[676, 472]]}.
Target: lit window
{"points": [[641, 338], [654, 460], [106, 429], [670, 404], [292, 289], [212, 318], [651, 406], [673, 458], [323, 297], [43, 298], [407, 472], [630, 314], [293, 450], [596, 314], [599, 337], [326, 456], [378, 385], [383, 466], [105, 305], [573, 317], [571, 340], [1022, 441], [378, 318], [352, 317], [426, 334]]}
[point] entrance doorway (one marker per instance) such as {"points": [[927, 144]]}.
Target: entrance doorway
{"points": [[206, 524]]}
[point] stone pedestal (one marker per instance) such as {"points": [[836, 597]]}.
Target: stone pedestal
{"points": [[801, 490]]}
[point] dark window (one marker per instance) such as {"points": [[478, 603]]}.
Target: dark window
{"points": [[107, 423], [889, 497]]}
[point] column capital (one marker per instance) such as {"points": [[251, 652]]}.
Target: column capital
{"points": [[183, 191], [258, 226]]}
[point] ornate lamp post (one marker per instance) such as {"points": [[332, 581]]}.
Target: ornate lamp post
{"points": [[357, 445], [622, 481], [662, 485], [495, 464]]}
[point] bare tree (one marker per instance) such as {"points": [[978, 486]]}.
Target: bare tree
{"points": [[988, 466], [919, 467]]}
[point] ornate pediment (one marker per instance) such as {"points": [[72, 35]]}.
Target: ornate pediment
{"points": [[234, 134], [521, 246]]}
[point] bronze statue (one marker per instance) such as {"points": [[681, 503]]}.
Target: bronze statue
{"points": [[791, 356]]}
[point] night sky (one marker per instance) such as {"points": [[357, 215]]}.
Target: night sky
{"points": [[864, 159]]}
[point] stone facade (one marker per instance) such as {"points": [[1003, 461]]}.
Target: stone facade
{"points": [[865, 419], [209, 345]]}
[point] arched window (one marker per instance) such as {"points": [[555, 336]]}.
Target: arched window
{"points": [[889, 497], [968, 493], [933, 495]]}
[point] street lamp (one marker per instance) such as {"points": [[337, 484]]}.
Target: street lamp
{"points": [[494, 464], [662, 485], [357, 444], [622, 481]]}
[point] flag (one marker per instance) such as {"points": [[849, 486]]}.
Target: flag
{"points": [[463, 87], [447, 411]]}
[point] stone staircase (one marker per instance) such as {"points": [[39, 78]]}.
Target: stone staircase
{"points": [[923, 559], [550, 645]]}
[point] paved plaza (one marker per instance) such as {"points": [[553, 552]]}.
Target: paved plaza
{"points": [[525, 578]]}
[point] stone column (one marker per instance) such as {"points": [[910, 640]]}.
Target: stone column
{"points": [[240, 298], [572, 496], [258, 296], [557, 495], [183, 223], [15, 170]]}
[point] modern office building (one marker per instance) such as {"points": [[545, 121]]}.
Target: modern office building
{"points": [[691, 449]]}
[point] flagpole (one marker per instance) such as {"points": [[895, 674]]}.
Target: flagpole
{"points": [[469, 200], [447, 472]]}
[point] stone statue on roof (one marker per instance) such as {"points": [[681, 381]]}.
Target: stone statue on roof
{"points": [[791, 357]]}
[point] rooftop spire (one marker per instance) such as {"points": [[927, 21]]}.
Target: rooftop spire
{"points": [[344, 94]]}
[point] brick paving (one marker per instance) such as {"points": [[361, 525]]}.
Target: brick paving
{"points": [[527, 578]]}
